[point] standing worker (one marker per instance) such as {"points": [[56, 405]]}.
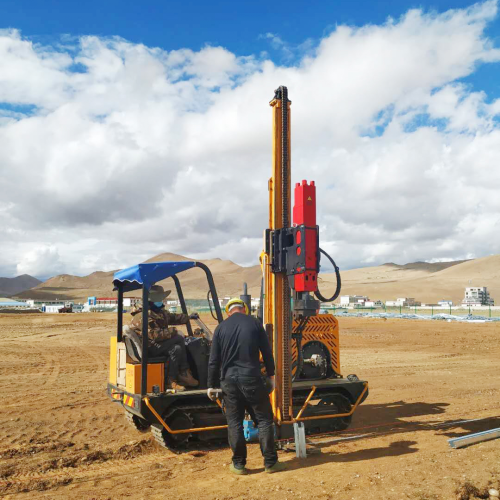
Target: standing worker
{"points": [[234, 366]]}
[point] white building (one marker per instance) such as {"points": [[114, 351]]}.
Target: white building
{"points": [[44, 303], [477, 296], [8, 303], [408, 301], [255, 303], [374, 303], [52, 308], [403, 302], [102, 303], [345, 300], [445, 303], [353, 300]]}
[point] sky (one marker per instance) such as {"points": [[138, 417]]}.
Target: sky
{"points": [[128, 129]]}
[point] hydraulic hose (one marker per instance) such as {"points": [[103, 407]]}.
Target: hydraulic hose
{"points": [[210, 305], [339, 283]]}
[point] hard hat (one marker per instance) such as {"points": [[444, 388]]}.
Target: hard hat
{"points": [[239, 302], [156, 294]]}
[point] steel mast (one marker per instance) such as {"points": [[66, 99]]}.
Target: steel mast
{"points": [[278, 317]]}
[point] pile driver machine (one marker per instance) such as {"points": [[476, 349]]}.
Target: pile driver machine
{"points": [[310, 390], [311, 396]]}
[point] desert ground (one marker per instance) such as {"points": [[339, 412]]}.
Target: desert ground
{"points": [[61, 437]]}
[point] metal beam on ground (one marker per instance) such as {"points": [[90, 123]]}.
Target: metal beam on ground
{"points": [[477, 437]]}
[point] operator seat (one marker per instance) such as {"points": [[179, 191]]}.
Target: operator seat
{"points": [[133, 345]]}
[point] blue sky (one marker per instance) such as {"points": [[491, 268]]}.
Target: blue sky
{"points": [[236, 25], [174, 24], [126, 128]]}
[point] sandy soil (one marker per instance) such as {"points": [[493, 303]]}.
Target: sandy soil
{"points": [[62, 438]]}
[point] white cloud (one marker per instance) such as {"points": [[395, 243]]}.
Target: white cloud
{"points": [[111, 152], [41, 261]]}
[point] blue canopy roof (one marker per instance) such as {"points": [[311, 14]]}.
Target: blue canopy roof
{"points": [[146, 275]]}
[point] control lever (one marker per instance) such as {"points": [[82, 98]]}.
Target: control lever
{"points": [[204, 328]]}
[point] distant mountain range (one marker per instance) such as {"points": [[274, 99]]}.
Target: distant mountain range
{"points": [[13, 286], [229, 278], [426, 282]]}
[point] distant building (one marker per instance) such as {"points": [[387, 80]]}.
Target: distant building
{"points": [[171, 305], [403, 302], [109, 302], [10, 303], [477, 296], [445, 303], [408, 301], [49, 302], [353, 300], [374, 303], [52, 308]]}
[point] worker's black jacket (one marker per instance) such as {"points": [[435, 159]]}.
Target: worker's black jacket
{"points": [[235, 350]]}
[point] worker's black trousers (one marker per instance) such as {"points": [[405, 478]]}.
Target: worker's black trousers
{"points": [[175, 349], [241, 393]]}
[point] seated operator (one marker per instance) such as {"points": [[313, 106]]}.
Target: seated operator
{"points": [[165, 340]]}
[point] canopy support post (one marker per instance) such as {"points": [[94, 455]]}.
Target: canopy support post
{"points": [[144, 360], [180, 296], [119, 332], [213, 291]]}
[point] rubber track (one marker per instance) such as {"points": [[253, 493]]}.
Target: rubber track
{"points": [[133, 422], [159, 431]]}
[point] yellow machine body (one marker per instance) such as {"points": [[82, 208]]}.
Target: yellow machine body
{"points": [[156, 376], [113, 361], [127, 375]]}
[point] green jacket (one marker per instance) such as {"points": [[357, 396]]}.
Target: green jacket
{"points": [[159, 323]]}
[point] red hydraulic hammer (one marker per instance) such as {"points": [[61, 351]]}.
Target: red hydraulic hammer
{"points": [[306, 238]]}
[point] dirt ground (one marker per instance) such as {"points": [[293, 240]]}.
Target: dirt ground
{"points": [[61, 437]]}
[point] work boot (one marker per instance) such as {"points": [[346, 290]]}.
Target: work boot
{"points": [[172, 384], [239, 472], [186, 378], [277, 467]]}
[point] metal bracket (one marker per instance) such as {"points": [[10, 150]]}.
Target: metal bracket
{"points": [[287, 248], [299, 431]]}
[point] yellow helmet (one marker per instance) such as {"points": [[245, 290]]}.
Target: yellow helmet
{"points": [[236, 301]]}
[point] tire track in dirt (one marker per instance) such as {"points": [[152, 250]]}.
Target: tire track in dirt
{"points": [[418, 373], [78, 467]]}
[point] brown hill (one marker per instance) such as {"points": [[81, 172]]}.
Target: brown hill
{"points": [[11, 286], [428, 283], [228, 276], [426, 266]]}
